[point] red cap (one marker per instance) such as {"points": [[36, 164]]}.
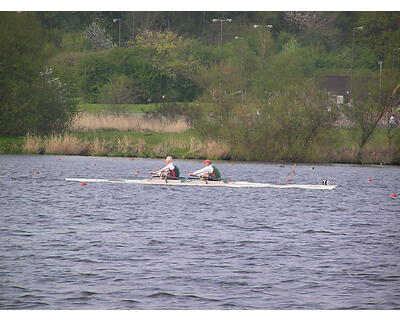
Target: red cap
{"points": [[207, 162]]}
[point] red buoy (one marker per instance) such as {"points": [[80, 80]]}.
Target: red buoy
{"points": [[37, 172], [288, 180], [394, 195], [58, 158], [370, 179], [5, 164], [293, 171], [83, 184], [137, 171]]}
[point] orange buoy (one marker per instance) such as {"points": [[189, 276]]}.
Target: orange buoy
{"points": [[394, 195], [83, 184]]}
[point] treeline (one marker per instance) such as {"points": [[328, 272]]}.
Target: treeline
{"points": [[253, 81], [166, 56]]}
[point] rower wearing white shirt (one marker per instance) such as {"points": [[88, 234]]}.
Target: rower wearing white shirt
{"points": [[170, 170], [210, 172]]}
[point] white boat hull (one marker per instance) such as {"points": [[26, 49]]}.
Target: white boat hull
{"points": [[202, 183]]}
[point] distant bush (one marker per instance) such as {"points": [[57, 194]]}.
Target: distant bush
{"points": [[118, 91]]}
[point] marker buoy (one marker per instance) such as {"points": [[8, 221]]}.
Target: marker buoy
{"points": [[293, 171], [137, 171], [370, 180], [37, 172], [83, 184], [5, 164], [58, 158], [394, 195], [288, 180]]}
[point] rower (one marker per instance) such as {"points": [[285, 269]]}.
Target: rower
{"points": [[170, 171], [209, 172]]}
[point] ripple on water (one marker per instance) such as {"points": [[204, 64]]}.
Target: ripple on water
{"points": [[120, 246]]}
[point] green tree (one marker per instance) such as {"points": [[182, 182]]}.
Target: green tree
{"points": [[381, 32], [290, 66], [31, 99]]}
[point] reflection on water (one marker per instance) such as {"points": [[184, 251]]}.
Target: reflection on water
{"points": [[119, 246]]}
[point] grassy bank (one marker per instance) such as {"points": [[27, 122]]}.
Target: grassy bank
{"points": [[92, 108], [126, 144], [103, 134], [187, 145]]}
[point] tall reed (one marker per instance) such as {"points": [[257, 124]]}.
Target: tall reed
{"points": [[87, 122], [32, 144], [66, 144]]}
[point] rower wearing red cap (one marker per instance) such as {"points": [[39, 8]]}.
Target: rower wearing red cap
{"points": [[209, 172]]}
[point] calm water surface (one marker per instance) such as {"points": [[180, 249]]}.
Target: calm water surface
{"points": [[120, 246]]}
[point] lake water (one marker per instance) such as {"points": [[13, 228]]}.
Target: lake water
{"points": [[122, 246]]}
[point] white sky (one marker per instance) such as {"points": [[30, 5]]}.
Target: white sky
{"points": [[200, 5]]}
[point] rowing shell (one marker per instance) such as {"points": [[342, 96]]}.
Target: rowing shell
{"points": [[201, 183]]}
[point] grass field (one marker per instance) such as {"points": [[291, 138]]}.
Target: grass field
{"points": [[131, 108]]}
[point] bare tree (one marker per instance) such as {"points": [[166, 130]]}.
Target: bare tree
{"points": [[369, 103]]}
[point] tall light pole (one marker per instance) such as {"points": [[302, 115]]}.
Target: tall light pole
{"points": [[242, 69], [221, 21], [352, 48], [119, 30], [380, 74], [394, 53], [265, 27], [352, 58]]}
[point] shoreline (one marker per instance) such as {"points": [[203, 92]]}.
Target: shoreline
{"points": [[255, 162], [189, 145]]}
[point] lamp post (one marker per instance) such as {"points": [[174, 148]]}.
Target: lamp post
{"points": [[394, 52], [352, 58], [243, 83], [352, 49], [221, 21], [119, 30], [265, 27]]}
